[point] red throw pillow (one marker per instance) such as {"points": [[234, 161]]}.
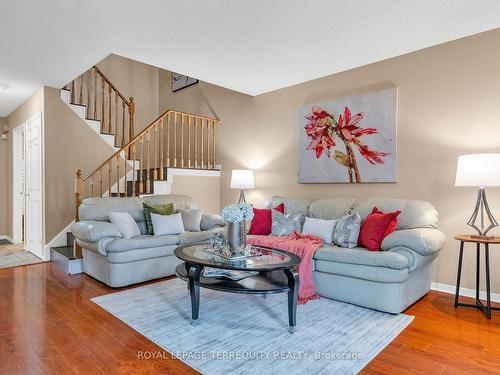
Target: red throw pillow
{"points": [[262, 220], [376, 227]]}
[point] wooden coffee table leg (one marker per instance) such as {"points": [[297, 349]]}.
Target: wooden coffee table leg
{"points": [[293, 284], [194, 291]]}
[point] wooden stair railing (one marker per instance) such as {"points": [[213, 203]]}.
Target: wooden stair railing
{"points": [[174, 139], [105, 103]]}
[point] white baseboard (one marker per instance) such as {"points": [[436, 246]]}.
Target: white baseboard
{"points": [[58, 240], [5, 237], [465, 292]]}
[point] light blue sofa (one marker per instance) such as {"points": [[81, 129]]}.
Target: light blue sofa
{"points": [[117, 261], [389, 280]]}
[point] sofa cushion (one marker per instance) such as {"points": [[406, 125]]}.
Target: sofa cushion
{"points": [[359, 271], [141, 254], [91, 231], [191, 218], [414, 213], [98, 208], [292, 205], [211, 221], [195, 237], [358, 255], [425, 241], [125, 223], [262, 220], [330, 208], [376, 227], [180, 202], [141, 242], [159, 209]]}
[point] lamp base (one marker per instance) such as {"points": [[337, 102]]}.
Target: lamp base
{"points": [[481, 208]]}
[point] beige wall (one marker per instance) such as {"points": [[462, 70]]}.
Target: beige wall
{"points": [[22, 114], [449, 99], [205, 190], [3, 180], [69, 145], [135, 79]]}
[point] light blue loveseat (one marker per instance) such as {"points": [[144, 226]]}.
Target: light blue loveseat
{"points": [[117, 261], [389, 280]]}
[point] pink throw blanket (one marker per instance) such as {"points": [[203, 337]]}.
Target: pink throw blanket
{"points": [[303, 245]]}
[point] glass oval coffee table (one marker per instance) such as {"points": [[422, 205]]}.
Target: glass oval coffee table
{"points": [[274, 272]]}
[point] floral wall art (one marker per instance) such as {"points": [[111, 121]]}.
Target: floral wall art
{"points": [[349, 140]]}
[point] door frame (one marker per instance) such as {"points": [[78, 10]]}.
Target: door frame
{"points": [[18, 154], [45, 252]]}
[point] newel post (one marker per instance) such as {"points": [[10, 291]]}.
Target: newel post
{"points": [[131, 130], [78, 192], [77, 250]]}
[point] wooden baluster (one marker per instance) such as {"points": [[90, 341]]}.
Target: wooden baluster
{"points": [[109, 110], [110, 164], [125, 169], [73, 91], [168, 139], [88, 92], [141, 162], [103, 122], [80, 101], [131, 111], [155, 139], [182, 141], [132, 152], [91, 186], [189, 141], [118, 174], [213, 142], [123, 128], [100, 182], [201, 151], [196, 142], [148, 160], [161, 141], [208, 144], [95, 94], [175, 139], [116, 115]]}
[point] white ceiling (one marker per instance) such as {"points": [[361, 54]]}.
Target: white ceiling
{"points": [[248, 46]]}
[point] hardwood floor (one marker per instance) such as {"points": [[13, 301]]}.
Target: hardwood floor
{"points": [[50, 326]]}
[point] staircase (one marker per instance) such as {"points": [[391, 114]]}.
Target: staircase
{"points": [[140, 162]]}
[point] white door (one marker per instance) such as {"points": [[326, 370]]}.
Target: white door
{"points": [[33, 175]]}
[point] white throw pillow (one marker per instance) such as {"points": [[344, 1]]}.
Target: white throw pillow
{"points": [[125, 224], [320, 228], [167, 224]]}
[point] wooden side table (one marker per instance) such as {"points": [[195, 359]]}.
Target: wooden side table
{"points": [[486, 242]]}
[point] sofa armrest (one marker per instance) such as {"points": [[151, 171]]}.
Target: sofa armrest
{"points": [[424, 241], [211, 221], [92, 231]]}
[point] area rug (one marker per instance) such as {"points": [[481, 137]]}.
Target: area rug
{"points": [[248, 334], [13, 255]]}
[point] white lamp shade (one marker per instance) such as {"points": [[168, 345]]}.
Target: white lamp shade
{"points": [[242, 179], [478, 170]]}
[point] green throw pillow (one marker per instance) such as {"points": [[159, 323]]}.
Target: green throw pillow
{"points": [[161, 209]]}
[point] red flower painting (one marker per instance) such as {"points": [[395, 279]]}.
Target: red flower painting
{"points": [[323, 128]]}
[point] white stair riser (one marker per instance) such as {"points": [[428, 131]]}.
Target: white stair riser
{"points": [[110, 139], [94, 125], [79, 110], [65, 96]]}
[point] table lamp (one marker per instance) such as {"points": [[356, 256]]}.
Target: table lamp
{"points": [[480, 170], [242, 179]]}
